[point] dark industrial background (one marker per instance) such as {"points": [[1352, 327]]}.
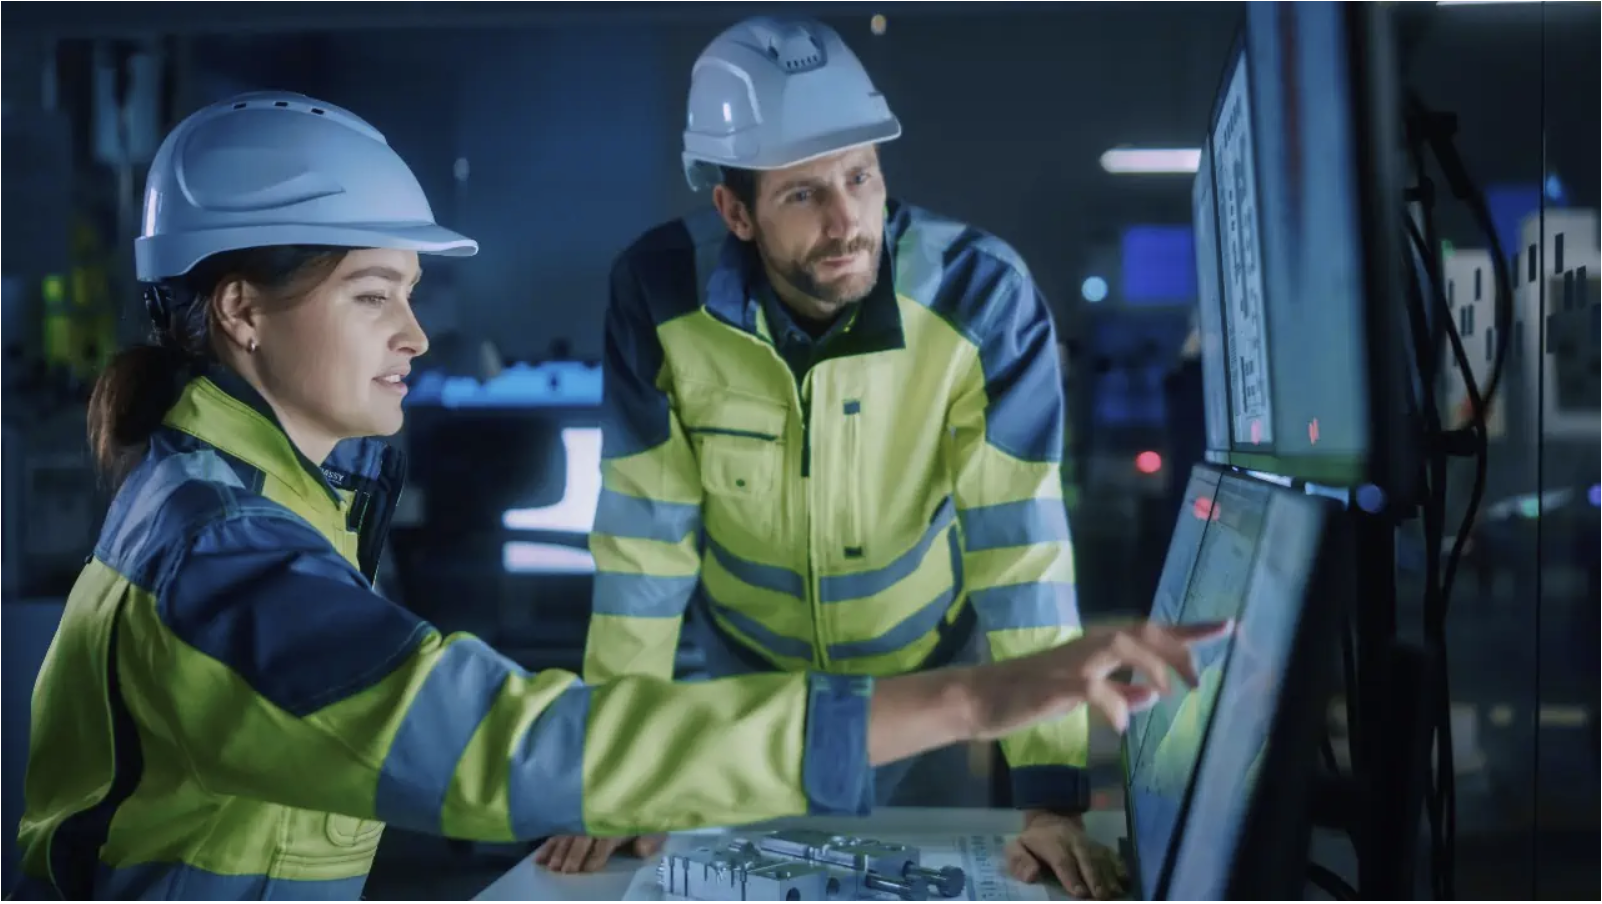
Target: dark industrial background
{"points": [[550, 133]]}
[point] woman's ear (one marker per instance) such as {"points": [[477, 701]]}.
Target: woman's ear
{"points": [[235, 313]]}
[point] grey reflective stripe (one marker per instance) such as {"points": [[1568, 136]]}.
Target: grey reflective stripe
{"points": [[447, 710], [638, 518], [1009, 524], [907, 632], [547, 777], [180, 881], [768, 577], [839, 588], [640, 595], [125, 542], [920, 257], [771, 641], [1039, 605]]}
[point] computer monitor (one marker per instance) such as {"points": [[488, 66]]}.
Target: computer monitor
{"points": [[1204, 579], [1239, 541], [1245, 827], [1300, 252]]}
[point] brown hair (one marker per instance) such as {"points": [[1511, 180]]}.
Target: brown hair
{"points": [[142, 383], [743, 183]]}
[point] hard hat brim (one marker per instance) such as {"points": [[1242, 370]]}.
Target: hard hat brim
{"points": [[700, 165], [831, 144], [167, 256]]}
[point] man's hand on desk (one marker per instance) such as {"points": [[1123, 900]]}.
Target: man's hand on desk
{"points": [[583, 854], [1058, 842]]}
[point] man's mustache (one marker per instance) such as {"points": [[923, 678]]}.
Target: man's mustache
{"points": [[841, 249]]}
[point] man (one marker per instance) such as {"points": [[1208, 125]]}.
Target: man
{"points": [[834, 427]]}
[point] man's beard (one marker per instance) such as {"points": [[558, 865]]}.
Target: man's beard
{"points": [[840, 291]]}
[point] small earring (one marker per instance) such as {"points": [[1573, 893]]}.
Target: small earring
{"points": [[251, 346]]}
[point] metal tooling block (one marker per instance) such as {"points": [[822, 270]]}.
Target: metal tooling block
{"points": [[801, 865], [737, 871]]}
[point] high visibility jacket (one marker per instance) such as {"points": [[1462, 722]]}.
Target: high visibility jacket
{"points": [[856, 521], [228, 710]]}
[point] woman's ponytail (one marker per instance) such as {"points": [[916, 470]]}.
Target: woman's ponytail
{"points": [[130, 398]]}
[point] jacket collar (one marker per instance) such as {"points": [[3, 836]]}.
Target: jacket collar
{"points": [[221, 409], [735, 288]]}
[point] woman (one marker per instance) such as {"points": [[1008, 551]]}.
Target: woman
{"points": [[229, 711]]}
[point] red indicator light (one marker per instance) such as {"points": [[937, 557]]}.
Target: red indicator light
{"points": [[1148, 462]]}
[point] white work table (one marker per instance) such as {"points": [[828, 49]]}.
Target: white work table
{"points": [[529, 882]]}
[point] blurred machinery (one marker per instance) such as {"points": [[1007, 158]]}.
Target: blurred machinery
{"points": [[1545, 420], [1552, 368], [494, 534], [800, 865]]}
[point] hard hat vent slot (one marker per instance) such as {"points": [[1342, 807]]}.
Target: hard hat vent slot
{"points": [[795, 53]]}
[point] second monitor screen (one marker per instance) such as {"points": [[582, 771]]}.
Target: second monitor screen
{"points": [[1169, 738]]}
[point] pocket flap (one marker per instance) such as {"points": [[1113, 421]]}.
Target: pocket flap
{"points": [[717, 411]]}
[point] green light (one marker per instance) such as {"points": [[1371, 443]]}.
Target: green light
{"points": [[1446, 249]]}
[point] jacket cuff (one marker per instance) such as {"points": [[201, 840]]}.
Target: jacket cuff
{"points": [[835, 773], [1062, 788]]}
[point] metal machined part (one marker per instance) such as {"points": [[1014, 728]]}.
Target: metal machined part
{"points": [[803, 865]]}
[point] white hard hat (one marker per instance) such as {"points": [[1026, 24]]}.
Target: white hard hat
{"points": [[774, 92], [277, 168]]}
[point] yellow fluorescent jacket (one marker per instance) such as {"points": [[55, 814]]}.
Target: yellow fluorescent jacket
{"points": [[229, 711], [861, 520]]}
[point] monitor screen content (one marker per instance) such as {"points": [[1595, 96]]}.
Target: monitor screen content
{"points": [[1247, 694], [1173, 731], [1295, 255], [1183, 549], [1251, 396]]}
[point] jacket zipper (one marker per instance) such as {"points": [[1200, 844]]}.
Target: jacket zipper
{"points": [[803, 400], [820, 656]]}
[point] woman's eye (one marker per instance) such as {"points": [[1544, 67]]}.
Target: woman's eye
{"points": [[372, 299]]}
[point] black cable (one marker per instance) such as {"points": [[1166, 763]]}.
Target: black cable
{"points": [[1354, 732], [1467, 191], [1432, 505], [1435, 131], [1433, 461], [1464, 188], [1327, 748], [1325, 879], [1443, 791]]}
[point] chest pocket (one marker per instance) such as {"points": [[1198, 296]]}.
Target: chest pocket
{"points": [[739, 442]]}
